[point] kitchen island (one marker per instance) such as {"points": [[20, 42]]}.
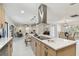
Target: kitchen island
{"points": [[6, 46], [52, 46]]}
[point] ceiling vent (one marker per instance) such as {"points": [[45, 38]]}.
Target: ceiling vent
{"points": [[74, 15]]}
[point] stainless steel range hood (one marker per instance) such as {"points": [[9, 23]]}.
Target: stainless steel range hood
{"points": [[42, 14], [42, 19]]}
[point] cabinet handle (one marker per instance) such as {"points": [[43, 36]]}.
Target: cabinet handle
{"points": [[10, 45], [35, 44], [46, 53], [46, 48]]}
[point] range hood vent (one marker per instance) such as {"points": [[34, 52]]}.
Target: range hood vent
{"points": [[42, 14]]}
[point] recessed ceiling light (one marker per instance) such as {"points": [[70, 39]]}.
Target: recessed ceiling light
{"points": [[22, 11]]}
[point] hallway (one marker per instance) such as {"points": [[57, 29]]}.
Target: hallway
{"points": [[20, 49]]}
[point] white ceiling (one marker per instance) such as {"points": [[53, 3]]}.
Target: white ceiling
{"points": [[55, 11]]}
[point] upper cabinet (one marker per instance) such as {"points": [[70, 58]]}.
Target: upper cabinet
{"points": [[2, 16]]}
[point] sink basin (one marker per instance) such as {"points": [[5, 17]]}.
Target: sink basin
{"points": [[50, 40], [43, 38]]}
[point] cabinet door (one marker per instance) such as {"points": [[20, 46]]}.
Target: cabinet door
{"points": [[32, 43], [7, 49], [10, 48], [38, 48], [43, 50], [51, 52], [35, 47], [4, 51], [47, 51]]}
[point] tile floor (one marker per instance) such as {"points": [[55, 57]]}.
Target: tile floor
{"points": [[20, 49]]}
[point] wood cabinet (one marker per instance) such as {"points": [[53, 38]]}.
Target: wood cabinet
{"points": [[10, 48], [41, 49], [51, 52], [67, 51], [47, 51], [4, 51], [7, 49], [2, 16], [34, 45]]}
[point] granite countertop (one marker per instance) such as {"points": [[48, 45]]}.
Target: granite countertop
{"points": [[4, 41], [56, 43]]}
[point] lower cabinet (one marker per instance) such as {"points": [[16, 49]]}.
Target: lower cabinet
{"points": [[7, 49], [4, 51], [10, 48], [38, 48], [47, 51], [34, 45], [51, 52], [41, 49], [67, 51]]}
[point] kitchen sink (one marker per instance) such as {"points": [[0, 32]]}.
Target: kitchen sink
{"points": [[43, 38]]}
